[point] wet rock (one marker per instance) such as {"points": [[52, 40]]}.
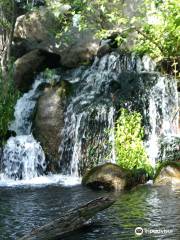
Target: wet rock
{"points": [[80, 50], [103, 50], [30, 64], [169, 149], [167, 66], [48, 123], [169, 174], [112, 177]]}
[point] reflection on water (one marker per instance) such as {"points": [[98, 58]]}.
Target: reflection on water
{"points": [[153, 208]]}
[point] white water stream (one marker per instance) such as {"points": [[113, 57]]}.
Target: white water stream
{"points": [[23, 157]]}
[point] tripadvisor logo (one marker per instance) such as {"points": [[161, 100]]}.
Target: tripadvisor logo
{"points": [[139, 231]]}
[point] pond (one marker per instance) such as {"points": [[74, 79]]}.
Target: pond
{"points": [[25, 207]]}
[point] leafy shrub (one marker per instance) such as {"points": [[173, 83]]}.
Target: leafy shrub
{"points": [[8, 99], [130, 151], [159, 33]]}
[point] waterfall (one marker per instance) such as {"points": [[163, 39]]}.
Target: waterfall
{"points": [[163, 117], [24, 109], [116, 80], [23, 157], [89, 117]]}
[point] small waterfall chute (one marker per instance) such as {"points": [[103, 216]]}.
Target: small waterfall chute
{"points": [[23, 158], [24, 108]]}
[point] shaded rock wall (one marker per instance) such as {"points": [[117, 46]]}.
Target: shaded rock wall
{"points": [[48, 123], [30, 64]]}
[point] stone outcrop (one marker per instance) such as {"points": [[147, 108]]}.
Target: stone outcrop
{"points": [[75, 47], [36, 26], [112, 177], [169, 174], [48, 123], [80, 50], [32, 63]]}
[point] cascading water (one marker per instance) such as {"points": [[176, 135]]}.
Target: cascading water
{"points": [[24, 109], [23, 157], [114, 81], [163, 117], [89, 117]]}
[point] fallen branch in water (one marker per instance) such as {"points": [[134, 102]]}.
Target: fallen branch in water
{"points": [[73, 220]]}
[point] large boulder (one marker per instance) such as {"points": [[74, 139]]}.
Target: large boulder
{"points": [[36, 26], [169, 174], [112, 177], [48, 123], [32, 63], [81, 48]]}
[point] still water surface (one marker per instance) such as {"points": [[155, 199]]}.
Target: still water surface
{"points": [[155, 208]]}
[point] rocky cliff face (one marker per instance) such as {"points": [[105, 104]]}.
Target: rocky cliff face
{"points": [[48, 123]]}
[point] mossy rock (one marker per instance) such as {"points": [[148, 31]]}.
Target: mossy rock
{"points": [[65, 90], [168, 173], [110, 176]]}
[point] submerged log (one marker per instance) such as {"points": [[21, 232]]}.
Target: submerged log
{"points": [[71, 221]]}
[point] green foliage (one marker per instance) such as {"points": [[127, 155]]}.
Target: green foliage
{"points": [[99, 16], [130, 152], [63, 14], [159, 35], [65, 89], [8, 99], [157, 23], [50, 76], [5, 14]]}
